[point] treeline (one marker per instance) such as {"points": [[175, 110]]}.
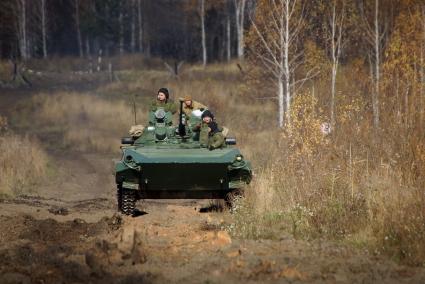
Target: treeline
{"points": [[193, 30]]}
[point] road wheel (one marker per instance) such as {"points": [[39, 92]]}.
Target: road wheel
{"points": [[128, 201], [119, 198]]}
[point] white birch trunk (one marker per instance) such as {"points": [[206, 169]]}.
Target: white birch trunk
{"points": [[336, 42], [286, 64], [133, 27], [23, 29], [375, 103], [240, 20], [281, 100], [204, 44], [77, 22], [44, 27], [140, 23]]}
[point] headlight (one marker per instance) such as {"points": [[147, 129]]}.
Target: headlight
{"points": [[239, 158]]}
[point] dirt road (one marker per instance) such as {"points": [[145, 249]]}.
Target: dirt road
{"points": [[68, 231]]}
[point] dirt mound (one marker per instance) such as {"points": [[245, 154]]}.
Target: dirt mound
{"points": [[48, 251]]}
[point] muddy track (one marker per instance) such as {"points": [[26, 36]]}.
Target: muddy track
{"points": [[68, 231]]}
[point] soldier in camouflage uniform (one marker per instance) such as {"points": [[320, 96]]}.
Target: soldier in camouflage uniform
{"points": [[189, 105], [163, 101], [210, 134]]}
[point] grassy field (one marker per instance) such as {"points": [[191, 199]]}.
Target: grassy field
{"points": [[354, 185]]}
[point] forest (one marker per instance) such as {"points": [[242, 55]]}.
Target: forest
{"points": [[325, 97]]}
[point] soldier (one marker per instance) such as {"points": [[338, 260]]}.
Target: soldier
{"points": [[163, 101], [210, 134], [190, 105]]}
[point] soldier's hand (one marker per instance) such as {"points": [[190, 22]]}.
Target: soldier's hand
{"points": [[209, 130]]}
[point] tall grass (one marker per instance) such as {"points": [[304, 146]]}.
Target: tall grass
{"points": [[79, 121], [22, 164], [354, 185]]}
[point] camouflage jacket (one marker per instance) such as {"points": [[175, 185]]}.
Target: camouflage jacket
{"points": [[195, 105], [169, 106], [211, 139]]}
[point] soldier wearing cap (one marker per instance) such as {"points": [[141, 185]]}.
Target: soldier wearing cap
{"points": [[189, 105], [210, 134], [163, 101]]}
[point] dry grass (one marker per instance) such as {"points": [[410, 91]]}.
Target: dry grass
{"points": [[82, 121], [22, 164]]}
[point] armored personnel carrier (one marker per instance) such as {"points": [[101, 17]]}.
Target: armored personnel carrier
{"points": [[164, 161]]}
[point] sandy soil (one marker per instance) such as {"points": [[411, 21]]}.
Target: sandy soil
{"points": [[68, 231]]}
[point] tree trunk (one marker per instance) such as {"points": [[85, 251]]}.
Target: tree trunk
{"points": [[375, 103], [336, 42], [422, 94], [422, 68], [333, 91], [139, 16], [77, 22], [228, 39], [23, 30], [287, 71], [44, 27], [121, 24], [240, 19], [88, 52], [133, 27], [281, 100], [204, 44]]}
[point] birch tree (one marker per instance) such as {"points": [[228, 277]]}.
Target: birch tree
{"points": [[133, 26], [335, 32], [240, 21], [121, 30], [228, 33], [44, 27], [140, 24], [77, 23], [22, 28], [274, 42], [375, 34], [203, 36]]}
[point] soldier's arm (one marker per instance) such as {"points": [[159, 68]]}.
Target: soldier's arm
{"points": [[172, 107], [217, 141], [153, 106]]}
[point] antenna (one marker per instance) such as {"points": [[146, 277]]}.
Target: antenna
{"points": [[135, 110]]}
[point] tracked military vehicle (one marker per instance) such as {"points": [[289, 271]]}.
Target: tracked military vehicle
{"points": [[164, 161]]}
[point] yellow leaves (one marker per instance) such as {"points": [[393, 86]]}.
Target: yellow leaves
{"points": [[304, 133], [315, 57]]}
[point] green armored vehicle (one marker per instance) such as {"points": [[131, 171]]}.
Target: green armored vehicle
{"points": [[167, 162]]}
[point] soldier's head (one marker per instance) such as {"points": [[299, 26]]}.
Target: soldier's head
{"points": [[188, 101], [163, 95], [207, 116]]}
